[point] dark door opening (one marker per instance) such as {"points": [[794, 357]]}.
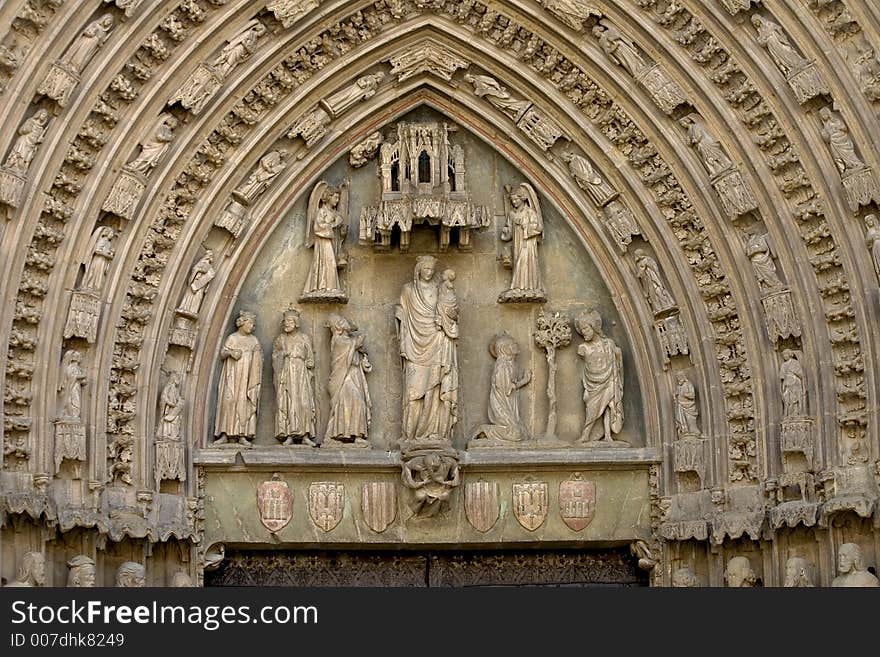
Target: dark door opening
{"points": [[556, 568]]}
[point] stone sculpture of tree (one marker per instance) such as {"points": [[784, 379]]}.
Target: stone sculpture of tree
{"points": [[552, 332]]}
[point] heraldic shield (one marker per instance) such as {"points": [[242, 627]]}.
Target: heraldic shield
{"points": [[275, 503], [326, 503], [378, 503], [530, 502], [577, 502], [482, 504]]}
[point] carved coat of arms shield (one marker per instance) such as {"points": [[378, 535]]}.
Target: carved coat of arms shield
{"points": [[530, 501], [378, 503], [275, 503], [482, 504], [326, 503], [577, 502]]}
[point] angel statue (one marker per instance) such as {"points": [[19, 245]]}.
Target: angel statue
{"points": [[325, 232], [525, 228]]}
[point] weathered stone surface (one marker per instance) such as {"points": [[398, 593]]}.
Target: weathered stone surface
{"points": [[682, 359]]}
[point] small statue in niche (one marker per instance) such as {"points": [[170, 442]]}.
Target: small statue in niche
{"points": [[658, 296], [101, 251], [31, 571], [350, 405], [171, 403], [797, 573], [852, 569], [65, 73], [431, 476], [686, 410], [571, 12], [505, 424], [589, 180], [81, 572], [684, 577], [326, 230], [488, 88], [761, 256], [207, 78], [293, 362], [873, 240], [602, 379], [84, 312], [202, 273], [13, 173], [836, 134], [130, 575], [30, 136], [84, 48], [524, 229], [362, 89], [155, 147], [70, 430], [238, 395], [170, 455], [739, 573], [268, 168], [771, 36], [620, 50], [708, 148], [793, 384]]}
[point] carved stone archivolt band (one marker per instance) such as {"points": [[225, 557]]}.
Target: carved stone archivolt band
{"points": [[718, 160]]}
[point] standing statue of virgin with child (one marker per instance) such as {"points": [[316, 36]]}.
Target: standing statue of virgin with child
{"points": [[427, 331]]}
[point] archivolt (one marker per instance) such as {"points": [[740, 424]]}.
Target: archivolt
{"points": [[635, 144]]}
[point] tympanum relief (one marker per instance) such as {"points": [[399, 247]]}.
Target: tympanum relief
{"points": [[387, 373]]}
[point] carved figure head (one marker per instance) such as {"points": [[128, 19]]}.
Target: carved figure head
{"points": [[850, 559], [106, 21], [32, 569], [787, 354], [130, 574], [82, 572], [425, 267], [739, 573], [246, 321], [42, 117], [448, 276], [825, 113], [870, 220], [758, 21], [684, 578], [588, 324], [797, 573], [503, 346], [518, 197], [290, 320], [339, 324]]}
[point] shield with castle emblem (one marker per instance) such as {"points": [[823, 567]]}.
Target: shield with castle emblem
{"points": [[326, 503], [482, 504], [378, 503], [275, 503], [577, 502], [530, 501]]}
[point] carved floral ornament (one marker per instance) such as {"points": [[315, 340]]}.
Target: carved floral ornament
{"points": [[809, 226]]}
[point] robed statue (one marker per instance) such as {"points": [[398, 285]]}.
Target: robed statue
{"points": [[238, 395], [325, 233], [524, 230], [427, 332]]}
